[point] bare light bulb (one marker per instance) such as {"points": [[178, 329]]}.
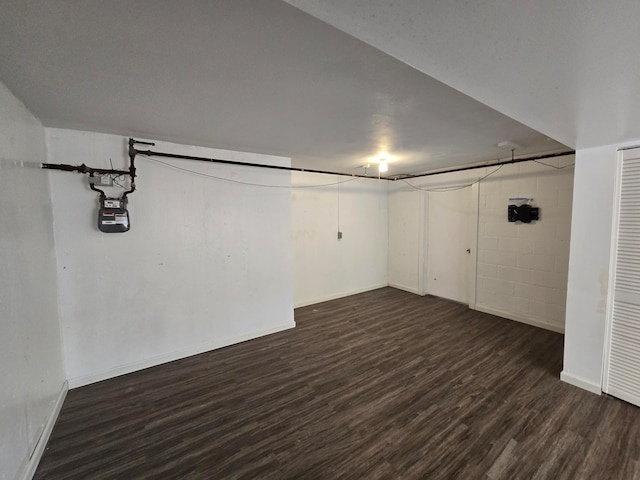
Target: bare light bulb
{"points": [[383, 167]]}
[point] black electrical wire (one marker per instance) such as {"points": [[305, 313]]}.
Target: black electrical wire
{"points": [[553, 166], [114, 177], [435, 189], [150, 153], [486, 165], [133, 152], [155, 160], [451, 189]]}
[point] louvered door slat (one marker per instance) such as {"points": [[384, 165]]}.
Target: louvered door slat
{"points": [[623, 363]]}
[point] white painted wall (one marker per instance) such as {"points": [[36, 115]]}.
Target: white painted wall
{"points": [[589, 265], [206, 263], [522, 268], [410, 226], [31, 369], [325, 267], [406, 237]]}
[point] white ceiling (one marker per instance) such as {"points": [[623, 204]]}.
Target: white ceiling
{"points": [[257, 76], [568, 68]]}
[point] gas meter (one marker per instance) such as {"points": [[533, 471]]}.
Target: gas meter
{"points": [[113, 215]]}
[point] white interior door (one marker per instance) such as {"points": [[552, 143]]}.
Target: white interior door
{"points": [[622, 357], [451, 225]]}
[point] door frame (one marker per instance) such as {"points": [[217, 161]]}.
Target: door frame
{"points": [[613, 255], [474, 209]]}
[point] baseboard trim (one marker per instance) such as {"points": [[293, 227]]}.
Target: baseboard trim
{"points": [[580, 382], [306, 303], [521, 319], [406, 289], [33, 461], [170, 357]]}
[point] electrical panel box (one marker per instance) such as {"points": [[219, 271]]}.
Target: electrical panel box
{"points": [[101, 180], [113, 216], [523, 213]]}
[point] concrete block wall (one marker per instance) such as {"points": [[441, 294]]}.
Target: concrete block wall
{"points": [[522, 268]]}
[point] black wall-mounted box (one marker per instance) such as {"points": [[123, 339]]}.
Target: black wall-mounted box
{"points": [[523, 213]]}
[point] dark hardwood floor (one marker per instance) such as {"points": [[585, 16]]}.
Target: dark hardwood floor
{"points": [[383, 384]]}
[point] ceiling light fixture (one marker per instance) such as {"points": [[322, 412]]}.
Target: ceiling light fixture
{"points": [[382, 162]]}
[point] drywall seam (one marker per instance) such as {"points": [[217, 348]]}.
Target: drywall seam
{"points": [[169, 357]]}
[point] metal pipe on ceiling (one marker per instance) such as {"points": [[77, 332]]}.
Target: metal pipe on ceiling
{"points": [[151, 153], [83, 169], [485, 165]]}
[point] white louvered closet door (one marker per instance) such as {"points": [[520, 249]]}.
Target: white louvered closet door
{"points": [[622, 372]]}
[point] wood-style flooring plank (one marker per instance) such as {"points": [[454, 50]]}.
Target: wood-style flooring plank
{"points": [[381, 385]]}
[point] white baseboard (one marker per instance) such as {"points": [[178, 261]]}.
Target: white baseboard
{"points": [[406, 289], [580, 382], [32, 463], [170, 357], [306, 303], [519, 318]]}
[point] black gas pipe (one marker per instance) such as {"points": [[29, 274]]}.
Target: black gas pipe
{"points": [[133, 152]]}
